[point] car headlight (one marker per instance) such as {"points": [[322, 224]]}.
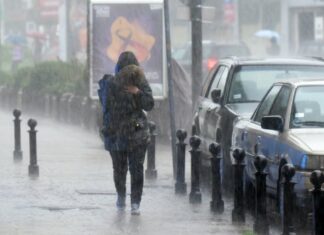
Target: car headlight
{"points": [[312, 162]]}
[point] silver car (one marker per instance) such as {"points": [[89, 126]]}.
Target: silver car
{"points": [[234, 89], [287, 127]]}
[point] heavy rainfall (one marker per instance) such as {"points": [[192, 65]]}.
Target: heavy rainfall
{"points": [[162, 117]]}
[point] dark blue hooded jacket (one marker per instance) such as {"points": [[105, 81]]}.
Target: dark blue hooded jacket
{"points": [[125, 123]]}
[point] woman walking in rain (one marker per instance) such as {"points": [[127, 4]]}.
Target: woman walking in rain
{"points": [[125, 126]]}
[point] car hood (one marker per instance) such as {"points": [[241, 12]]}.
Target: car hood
{"points": [[311, 138], [243, 109]]}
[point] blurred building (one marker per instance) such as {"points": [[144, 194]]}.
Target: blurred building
{"points": [[302, 21], [53, 29]]}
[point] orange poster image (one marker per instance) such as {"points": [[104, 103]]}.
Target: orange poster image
{"points": [[129, 36], [136, 27]]}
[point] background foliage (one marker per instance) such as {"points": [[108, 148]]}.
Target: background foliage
{"points": [[52, 77]]}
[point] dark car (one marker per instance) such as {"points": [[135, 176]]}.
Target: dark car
{"points": [[287, 127], [211, 54], [234, 88]]}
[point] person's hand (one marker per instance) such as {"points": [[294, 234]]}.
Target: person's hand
{"points": [[132, 89]]}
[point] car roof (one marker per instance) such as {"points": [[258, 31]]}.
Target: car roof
{"points": [[273, 61], [303, 82]]}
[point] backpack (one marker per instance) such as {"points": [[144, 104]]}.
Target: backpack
{"points": [[103, 91]]}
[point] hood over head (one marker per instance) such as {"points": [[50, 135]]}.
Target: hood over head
{"points": [[125, 58]]}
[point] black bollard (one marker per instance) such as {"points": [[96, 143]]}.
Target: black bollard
{"points": [[261, 225], [317, 179], [33, 167], [238, 213], [195, 194], [151, 172], [180, 185], [288, 172], [17, 152], [217, 203]]}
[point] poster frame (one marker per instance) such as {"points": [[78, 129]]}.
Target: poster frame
{"points": [[91, 4]]}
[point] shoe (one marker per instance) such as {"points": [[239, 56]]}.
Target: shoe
{"points": [[121, 203], [135, 209]]}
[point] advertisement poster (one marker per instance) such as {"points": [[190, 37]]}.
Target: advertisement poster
{"points": [[137, 26]]}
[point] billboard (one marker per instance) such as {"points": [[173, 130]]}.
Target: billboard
{"points": [[129, 25]]}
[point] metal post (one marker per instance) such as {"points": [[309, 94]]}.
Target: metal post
{"points": [[181, 186], [69, 111], [261, 225], [19, 98], [170, 84], [151, 172], [94, 117], [288, 172], [317, 179], [54, 110], [17, 152], [84, 111], [33, 167], [217, 203], [196, 38], [47, 105], [195, 195], [238, 213]]}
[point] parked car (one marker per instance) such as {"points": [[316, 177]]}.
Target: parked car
{"points": [[233, 89], [212, 52], [287, 127]]}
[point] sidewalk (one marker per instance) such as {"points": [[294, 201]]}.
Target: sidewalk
{"points": [[74, 193]]}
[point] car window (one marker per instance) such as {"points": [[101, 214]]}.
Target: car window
{"points": [[280, 104], [215, 81], [223, 79], [250, 82], [266, 104], [308, 108], [207, 80]]}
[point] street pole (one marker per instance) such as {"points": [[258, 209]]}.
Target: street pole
{"points": [[170, 84], [196, 55], [67, 25]]}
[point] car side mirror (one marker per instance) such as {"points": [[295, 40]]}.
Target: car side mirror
{"points": [[215, 95], [274, 122]]}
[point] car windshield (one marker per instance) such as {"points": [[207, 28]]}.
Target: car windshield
{"points": [[250, 83], [307, 110]]}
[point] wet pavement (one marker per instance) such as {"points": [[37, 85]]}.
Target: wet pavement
{"points": [[74, 193]]}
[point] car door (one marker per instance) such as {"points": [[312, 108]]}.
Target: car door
{"points": [[269, 141], [206, 105], [256, 138], [279, 107], [212, 116]]}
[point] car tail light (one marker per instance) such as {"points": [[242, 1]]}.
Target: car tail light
{"points": [[211, 63]]}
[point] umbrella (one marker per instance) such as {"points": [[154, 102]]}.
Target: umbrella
{"points": [[16, 39], [266, 33]]}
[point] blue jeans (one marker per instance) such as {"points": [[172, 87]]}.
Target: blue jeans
{"points": [[135, 161]]}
